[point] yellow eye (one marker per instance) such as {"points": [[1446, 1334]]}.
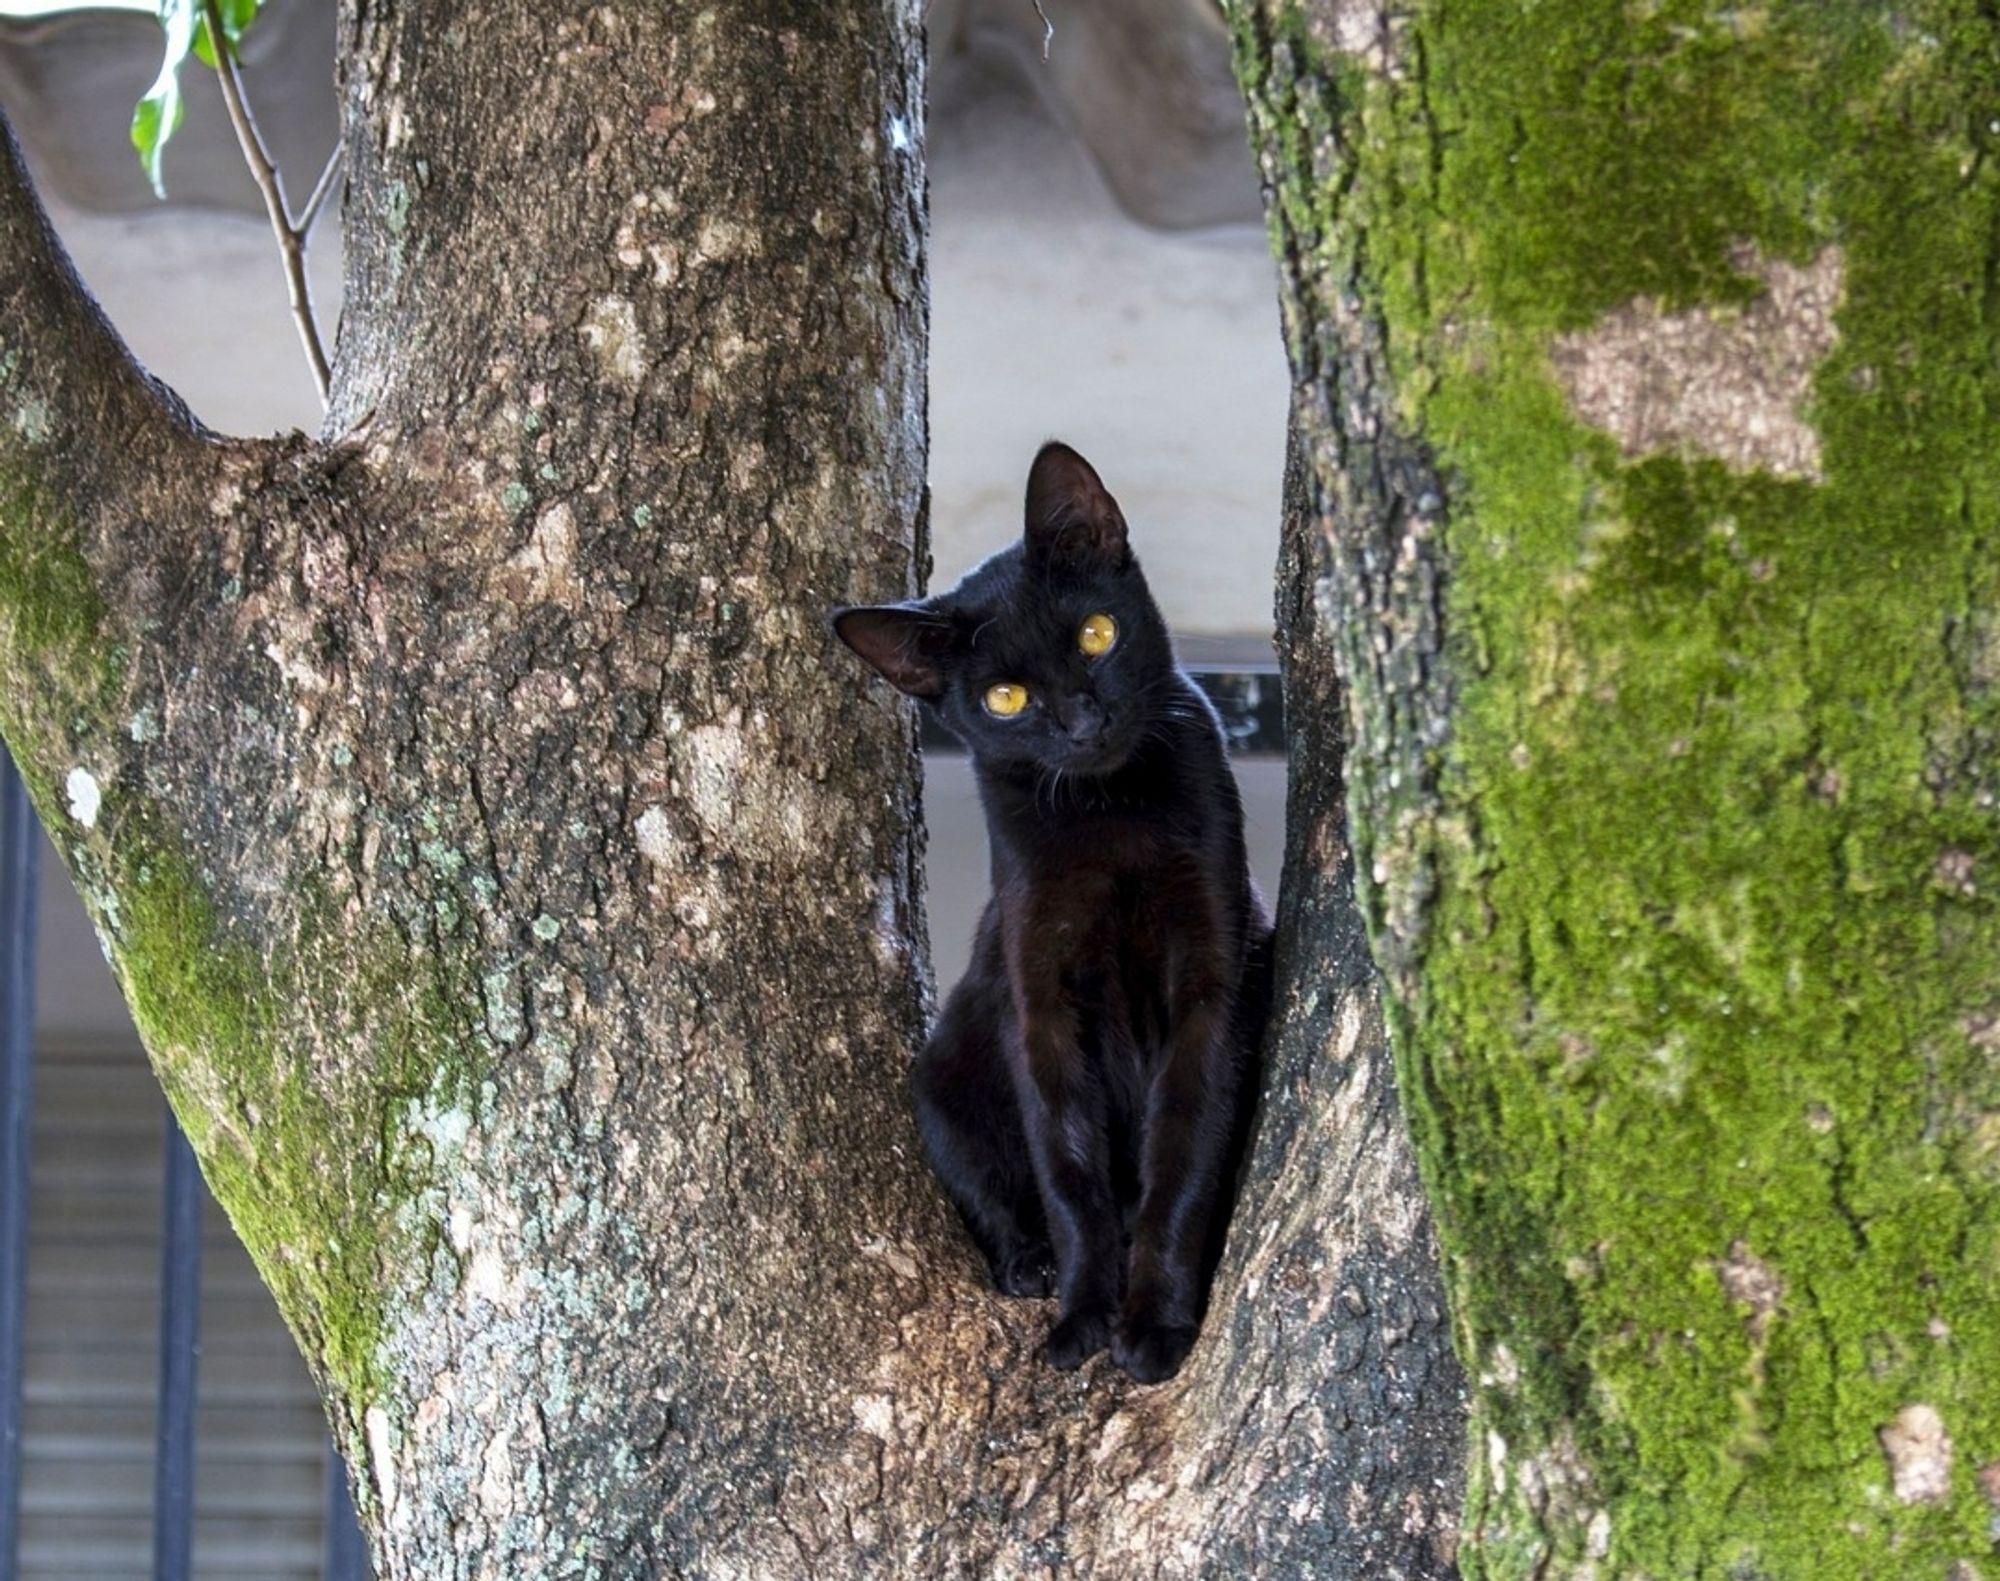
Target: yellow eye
{"points": [[1096, 635], [1006, 700]]}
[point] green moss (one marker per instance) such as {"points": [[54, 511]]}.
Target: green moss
{"points": [[51, 604], [318, 1162], [1710, 958]]}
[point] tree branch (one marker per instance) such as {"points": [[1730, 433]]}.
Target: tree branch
{"points": [[316, 200], [76, 410], [291, 235]]}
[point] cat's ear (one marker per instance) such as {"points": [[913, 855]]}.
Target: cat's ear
{"points": [[1071, 515], [906, 643]]}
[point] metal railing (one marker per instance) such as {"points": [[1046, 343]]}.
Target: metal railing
{"points": [[345, 1555]]}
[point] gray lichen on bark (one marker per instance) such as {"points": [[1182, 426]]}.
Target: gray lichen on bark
{"points": [[1728, 382]]}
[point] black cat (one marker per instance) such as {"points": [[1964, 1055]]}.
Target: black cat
{"points": [[1084, 1095]]}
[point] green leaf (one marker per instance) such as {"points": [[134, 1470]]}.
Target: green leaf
{"points": [[158, 116], [237, 15]]}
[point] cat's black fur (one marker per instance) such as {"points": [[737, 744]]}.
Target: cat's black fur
{"points": [[1083, 1098]]}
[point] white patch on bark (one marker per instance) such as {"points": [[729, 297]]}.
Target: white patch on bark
{"points": [[548, 558], [1726, 382], [1747, 1279], [444, 1126], [1393, 1216], [381, 1455], [748, 464], [84, 797], [711, 762], [488, 1277], [1359, 28], [1348, 1038], [496, 1481], [875, 1415], [1919, 1452], [656, 836], [888, 939], [31, 420], [720, 240], [611, 330], [897, 1256]]}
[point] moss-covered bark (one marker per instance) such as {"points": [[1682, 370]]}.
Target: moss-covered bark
{"points": [[1680, 827]]}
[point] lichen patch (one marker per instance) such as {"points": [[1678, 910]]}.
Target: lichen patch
{"points": [[656, 836], [721, 240], [1712, 381], [496, 1483], [1749, 1281], [712, 768], [31, 420], [544, 570], [611, 330], [1919, 1452], [1356, 28], [381, 1455], [84, 797], [875, 1415]]}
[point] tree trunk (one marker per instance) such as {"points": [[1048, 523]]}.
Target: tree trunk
{"points": [[521, 903], [1647, 375]]}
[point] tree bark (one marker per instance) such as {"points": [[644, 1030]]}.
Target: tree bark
{"points": [[521, 903], [1647, 380]]}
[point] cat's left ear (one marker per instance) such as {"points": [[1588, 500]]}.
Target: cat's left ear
{"points": [[906, 643], [1071, 514]]}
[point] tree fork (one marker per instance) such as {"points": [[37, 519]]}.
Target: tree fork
{"points": [[524, 914]]}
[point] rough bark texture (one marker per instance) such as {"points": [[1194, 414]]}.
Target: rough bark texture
{"points": [[1647, 379], [521, 903]]}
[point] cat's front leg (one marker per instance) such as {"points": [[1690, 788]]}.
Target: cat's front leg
{"points": [[1063, 1107], [1186, 1166], [970, 1122]]}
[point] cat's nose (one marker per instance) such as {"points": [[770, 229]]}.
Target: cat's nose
{"points": [[1085, 722]]}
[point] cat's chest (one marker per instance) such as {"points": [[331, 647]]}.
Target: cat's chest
{"points": [[1115, 963], [1117, 909]]}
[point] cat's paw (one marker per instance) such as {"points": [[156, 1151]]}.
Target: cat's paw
{"points": [[1151, 1352], [1076, 1338], [1026, 1271]]}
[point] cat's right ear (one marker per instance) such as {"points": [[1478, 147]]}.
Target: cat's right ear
{"points": [[1071, 514], [906, 643]]}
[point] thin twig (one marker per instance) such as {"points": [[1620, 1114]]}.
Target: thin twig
{"points": [[1048, 31], [291, 238], [317, 201]]}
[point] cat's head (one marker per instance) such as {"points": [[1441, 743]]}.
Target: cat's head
{"points": [[1052, 653]]}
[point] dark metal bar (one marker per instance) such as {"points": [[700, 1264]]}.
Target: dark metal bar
{"points": [[346, 1550], [20, 864], [180, 1351]]}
